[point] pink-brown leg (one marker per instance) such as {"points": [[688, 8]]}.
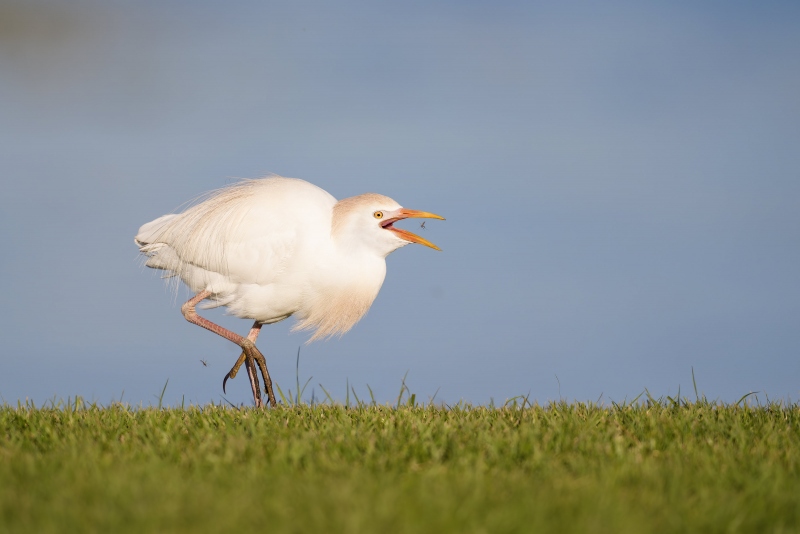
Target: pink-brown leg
{"points": [[251, 370], [252, 336], [250, 354]]}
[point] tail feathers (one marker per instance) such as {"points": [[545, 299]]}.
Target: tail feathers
{"points": [[159, 255], [149, 232]]}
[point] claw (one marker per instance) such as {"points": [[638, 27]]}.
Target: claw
{"points": [[234, 370], [255, 361], [262, 364], [254, 385]]}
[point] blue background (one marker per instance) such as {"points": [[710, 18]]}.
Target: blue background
{"points": [[621, 182]]}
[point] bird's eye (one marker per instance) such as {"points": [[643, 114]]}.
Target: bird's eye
{"points": [[378, 215]]}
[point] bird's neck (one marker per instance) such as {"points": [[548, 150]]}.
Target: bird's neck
{"points": [[343, 292]]}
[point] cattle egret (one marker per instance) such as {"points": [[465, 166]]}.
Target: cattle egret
{"points": [[271, 248]]}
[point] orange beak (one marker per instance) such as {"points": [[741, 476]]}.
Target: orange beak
{"points": [[404, 213]]}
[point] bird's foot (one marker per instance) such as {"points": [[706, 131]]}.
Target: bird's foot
{"points": [[262, 364], [251, 356], [234, 369], [247, 358]]}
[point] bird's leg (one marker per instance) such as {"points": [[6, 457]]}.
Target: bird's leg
{"points": [[234, 370], [255, 387], [253, 357], [252, 336], [262, 364], [249, 350], [251, 370]]}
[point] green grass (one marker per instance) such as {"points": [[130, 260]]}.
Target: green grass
{"points": [[657, 466]]}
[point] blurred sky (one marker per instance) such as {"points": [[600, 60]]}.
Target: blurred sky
{"points": [[621, 182]]}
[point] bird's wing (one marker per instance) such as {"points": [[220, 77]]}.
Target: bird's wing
{"points": [[246, 233]]}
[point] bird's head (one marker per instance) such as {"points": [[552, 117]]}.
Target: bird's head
{"points": [[368, 220]]}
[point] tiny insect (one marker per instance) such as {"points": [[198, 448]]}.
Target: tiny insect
{"points": [[422, 225], [204, 362]]}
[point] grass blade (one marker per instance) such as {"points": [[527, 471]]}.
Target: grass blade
{"points": [[281, 395], [745, 396], [161, 397], [330, 399]]}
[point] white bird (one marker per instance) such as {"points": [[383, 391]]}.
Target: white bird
{"points": [[272, 248]]}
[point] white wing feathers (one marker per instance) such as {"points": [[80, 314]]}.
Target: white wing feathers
{"points": [[245, 233]]}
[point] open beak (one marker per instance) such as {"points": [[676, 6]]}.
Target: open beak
{"points": [[404, 213]]}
